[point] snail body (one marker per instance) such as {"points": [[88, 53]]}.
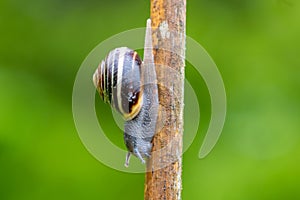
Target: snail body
{"points": [[128, 84]]}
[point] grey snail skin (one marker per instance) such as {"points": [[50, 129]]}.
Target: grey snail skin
{"points": [[129, 85]]}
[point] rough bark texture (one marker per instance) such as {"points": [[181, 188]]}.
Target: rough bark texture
{"points": [[163, 177]]}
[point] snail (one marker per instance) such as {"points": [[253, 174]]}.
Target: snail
{"points": [[129, 85]]}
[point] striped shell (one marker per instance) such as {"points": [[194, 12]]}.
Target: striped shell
{"points": [[118, 80]]}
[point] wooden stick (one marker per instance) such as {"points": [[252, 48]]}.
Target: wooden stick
{"points": [[163, 177]]}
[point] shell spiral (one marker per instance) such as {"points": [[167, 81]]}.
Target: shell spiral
{"points": [[119, 82]]}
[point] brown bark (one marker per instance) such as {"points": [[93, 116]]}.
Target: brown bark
{"points": [[163, 177]]}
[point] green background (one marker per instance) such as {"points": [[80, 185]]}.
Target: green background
{"points": [[256, 46]]}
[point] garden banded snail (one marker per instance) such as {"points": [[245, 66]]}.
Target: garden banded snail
{"points": [[129, 86]]}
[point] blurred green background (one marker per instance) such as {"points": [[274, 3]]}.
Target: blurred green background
{"points": [[255, 44]]}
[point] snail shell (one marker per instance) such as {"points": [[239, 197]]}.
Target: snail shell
{"points": [[118, 80]]}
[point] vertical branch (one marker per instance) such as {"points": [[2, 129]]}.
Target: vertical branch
{"points": [[163, 177]]}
